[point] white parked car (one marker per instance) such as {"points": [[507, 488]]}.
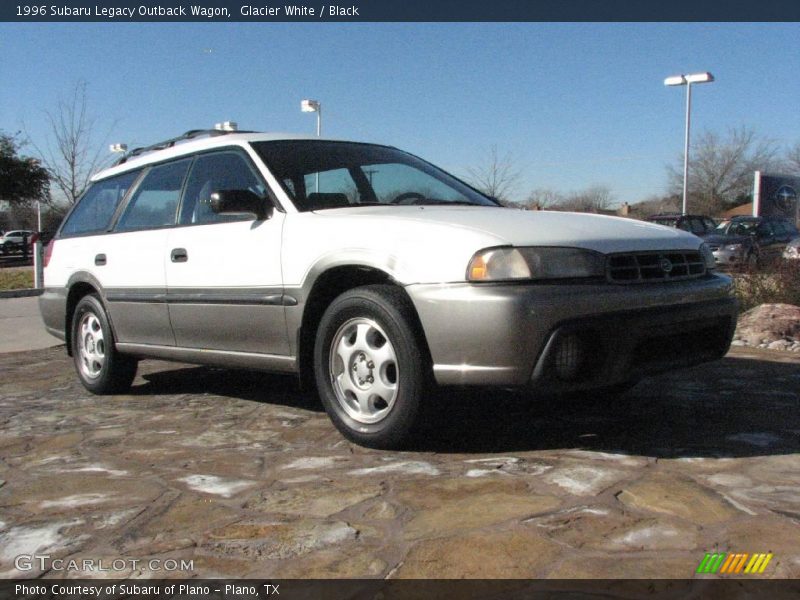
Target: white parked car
{"points": [[370, 273], [14, 241], [792, 249]]}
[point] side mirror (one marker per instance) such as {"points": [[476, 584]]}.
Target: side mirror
{"points": [[228, 202]]}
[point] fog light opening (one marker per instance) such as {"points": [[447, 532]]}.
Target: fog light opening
{"points": [[568, 356]]}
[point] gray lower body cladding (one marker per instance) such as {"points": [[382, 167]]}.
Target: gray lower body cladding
{"points": [[508, 334], [53, 307], [488, 334]]}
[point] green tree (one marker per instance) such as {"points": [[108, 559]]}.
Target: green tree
{"points": [[22, 179]]}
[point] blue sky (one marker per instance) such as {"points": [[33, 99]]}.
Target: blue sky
{"points": [[575, 104]]}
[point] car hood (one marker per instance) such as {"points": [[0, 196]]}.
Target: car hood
{"points": [[532, 228]]}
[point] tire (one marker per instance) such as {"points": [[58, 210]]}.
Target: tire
{"points": [[101, 369], [369, 366]]}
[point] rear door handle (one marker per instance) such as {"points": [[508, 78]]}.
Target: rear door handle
{"points": [[179, 255], [100, 260]]}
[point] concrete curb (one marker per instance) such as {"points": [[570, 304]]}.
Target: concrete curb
{"points": [[20, 293]]}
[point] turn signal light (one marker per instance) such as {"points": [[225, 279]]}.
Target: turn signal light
{"points": [[477, 269]]}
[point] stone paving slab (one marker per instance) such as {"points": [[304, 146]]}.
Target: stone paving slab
{"points": [[243, 475]]}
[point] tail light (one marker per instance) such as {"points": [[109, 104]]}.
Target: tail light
{"points": [[48, 252]]}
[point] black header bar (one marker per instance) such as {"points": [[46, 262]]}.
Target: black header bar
{"points": [[397, 11]]}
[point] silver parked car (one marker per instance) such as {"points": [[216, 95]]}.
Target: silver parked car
{"points": [[792, 249]]}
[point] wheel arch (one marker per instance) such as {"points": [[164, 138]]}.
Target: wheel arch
{"points": [[78, 286], [326, 287]]}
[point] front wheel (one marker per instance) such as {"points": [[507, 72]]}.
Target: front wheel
{"points": [[101, 369], [369, 366]]}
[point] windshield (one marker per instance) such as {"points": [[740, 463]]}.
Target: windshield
{"points": [[736, 227], [321, 175]]}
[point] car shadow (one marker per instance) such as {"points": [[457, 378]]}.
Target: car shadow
{"points": [[735, 407], [256, 386]]}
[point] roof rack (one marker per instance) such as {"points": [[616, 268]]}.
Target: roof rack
{"points": [[189, 135]]}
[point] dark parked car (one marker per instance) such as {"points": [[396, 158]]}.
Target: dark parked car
{"points": [[750, 240], [700, 225]]}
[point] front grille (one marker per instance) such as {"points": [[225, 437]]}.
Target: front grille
{"points": [[654, 266]]}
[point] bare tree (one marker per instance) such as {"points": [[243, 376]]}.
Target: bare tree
{"points": [[654, 205], [543, 198], [793, 160], [596, 198], [498, 177], [72, 154], [721, 168]]}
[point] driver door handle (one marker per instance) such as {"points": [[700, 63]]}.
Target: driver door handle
{"points": [[179, 255]]}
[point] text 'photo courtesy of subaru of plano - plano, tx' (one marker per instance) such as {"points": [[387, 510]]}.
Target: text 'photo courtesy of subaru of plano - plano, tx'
{"points": [[370, 273]]}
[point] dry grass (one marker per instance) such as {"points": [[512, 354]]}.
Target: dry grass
{"points": [[16, 279], [778, 283]]}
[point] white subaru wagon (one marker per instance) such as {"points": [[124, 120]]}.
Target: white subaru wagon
{"points": [[371, 274]]}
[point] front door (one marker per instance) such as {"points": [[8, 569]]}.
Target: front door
{"points": [[224, 286]]}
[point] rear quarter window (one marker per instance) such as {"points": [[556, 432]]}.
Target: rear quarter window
{"points": [[97, 206], [155, 201]]}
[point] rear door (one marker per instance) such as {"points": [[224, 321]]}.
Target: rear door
{"points": [[766, 240], [133, 257], [224, 284]]}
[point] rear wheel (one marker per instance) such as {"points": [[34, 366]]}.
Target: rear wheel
{"points": [[101, 369], [368, 365]]}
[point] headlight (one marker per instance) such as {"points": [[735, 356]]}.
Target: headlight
{"points": [[733, 247], [497, 264], [708, 257]]}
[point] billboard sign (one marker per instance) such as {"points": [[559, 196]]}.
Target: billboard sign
{"points": [[776, 195]]}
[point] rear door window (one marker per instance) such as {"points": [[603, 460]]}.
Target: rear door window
{"points": [[697, 225], [95, 209], [764, 230]]}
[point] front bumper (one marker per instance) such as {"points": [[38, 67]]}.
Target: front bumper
{"points": [[509, 334], [724, 257]]}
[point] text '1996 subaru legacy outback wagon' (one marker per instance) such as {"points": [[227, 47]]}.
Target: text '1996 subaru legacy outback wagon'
{"points": [[369, 272]]}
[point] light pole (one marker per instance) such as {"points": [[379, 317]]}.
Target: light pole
{"points": [[688, 80], [313, 106]]}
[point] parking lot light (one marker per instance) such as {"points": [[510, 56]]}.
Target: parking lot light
{"points": [[313, 106], [687, 80]]}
